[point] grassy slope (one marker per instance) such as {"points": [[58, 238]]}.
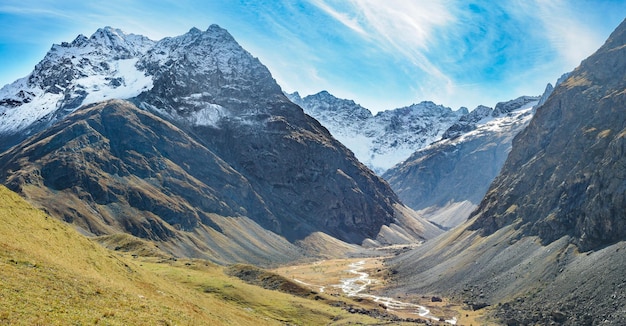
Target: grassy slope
{"points": [[50, 274]]}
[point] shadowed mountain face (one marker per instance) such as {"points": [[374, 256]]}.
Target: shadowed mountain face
{"points": [[566, 173], [546, 245], [228, 100], [114, 168], [207, 155]]}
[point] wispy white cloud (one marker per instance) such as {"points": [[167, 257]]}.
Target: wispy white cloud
{"points": [[348, 20], [30, 11], [403, 27], [567, 32], [383, 54], [462, 52]]}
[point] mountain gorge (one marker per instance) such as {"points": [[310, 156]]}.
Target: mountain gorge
{"points": [[546, 244], [439, 162], [447, 180], [206, 156]]}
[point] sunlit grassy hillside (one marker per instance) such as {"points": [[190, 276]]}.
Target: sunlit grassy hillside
{"points": [[52, 275]]}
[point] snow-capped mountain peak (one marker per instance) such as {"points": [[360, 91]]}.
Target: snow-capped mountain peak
{"points": [[83, 71], [383, 140], [197, 71]]}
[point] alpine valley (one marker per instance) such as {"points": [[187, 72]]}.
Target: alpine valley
{"points": [[185, 187]]}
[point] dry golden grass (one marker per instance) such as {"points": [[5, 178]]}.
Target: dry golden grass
{"points": [[51, 275]]}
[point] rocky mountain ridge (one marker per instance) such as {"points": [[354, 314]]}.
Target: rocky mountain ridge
{"points": [[287, 176], [580, 194], [446, 180], [84, 71]]}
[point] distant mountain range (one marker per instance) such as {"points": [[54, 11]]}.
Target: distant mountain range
{"points": [[204, 155], [446, 180], [383, 140]]}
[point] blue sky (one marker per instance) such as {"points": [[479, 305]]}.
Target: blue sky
{"points": [[382, 54]]}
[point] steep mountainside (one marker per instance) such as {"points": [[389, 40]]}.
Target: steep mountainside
{"points": [[228, 168], [546, 244], [565, 175], [112, 168], [447, 179], [218, 92], [383, 140]]}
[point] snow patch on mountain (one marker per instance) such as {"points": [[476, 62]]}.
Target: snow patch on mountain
{"points": [[209, 115], [500, 124], [34, 103], [124, 81]]}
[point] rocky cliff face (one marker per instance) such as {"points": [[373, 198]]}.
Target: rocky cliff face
{"points": [[216, 138], [565, 173], [546, 243]]}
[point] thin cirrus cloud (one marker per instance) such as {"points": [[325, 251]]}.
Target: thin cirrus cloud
{"points": [[470, 53], [382, 54], [400, 27]]}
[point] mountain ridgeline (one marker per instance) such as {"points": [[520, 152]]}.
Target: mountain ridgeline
{"points": [[446, 180], [383, 140], [204, 155]]}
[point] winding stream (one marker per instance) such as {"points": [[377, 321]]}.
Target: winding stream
{"points": [[353, 287]]}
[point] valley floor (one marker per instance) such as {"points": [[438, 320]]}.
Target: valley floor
{"points": [[366, 278]]}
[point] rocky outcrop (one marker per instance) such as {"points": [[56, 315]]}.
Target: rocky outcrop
{"points": [[467, 122], [564, 175]]}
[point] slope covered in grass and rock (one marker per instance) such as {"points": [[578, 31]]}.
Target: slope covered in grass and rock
{"points": [[53, 275]]}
